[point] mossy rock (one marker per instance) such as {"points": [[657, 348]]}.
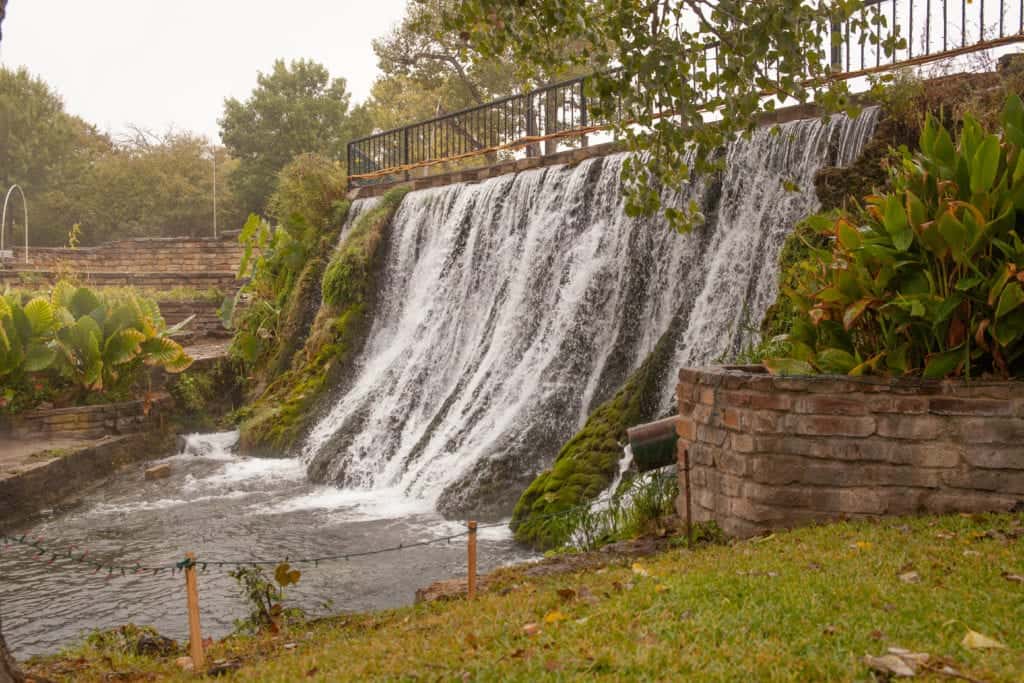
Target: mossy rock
{"points": [[281, 416], [587, 464]]}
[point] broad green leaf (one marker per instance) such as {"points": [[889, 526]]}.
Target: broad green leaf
{"points": [[40, 312], [985, 164], [848, 235], [83, 302], [941, 365], [955, 235], [1010, 299], [38, 357], [836, 361], [123, 346], [896, 224]]}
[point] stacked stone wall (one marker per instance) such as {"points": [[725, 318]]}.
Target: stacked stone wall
{"points": [[768, 452], [142, 255], [87, 422]]}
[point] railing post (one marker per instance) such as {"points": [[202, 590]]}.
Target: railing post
{"points": [[550, 119], [405, 150], [533, 148], [583, 110], [835, 39]]}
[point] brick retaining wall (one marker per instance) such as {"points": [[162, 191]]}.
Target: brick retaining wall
{"points": [[146, 254], [768, 452]]}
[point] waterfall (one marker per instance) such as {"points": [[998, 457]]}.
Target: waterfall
{"points": [[510, 308]]}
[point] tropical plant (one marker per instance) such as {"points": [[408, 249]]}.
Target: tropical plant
{"points": [[96, 341], [928, 278]]}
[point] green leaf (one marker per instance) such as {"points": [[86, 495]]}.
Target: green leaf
{"points": [[40, 312], [967, 283], [848, 236], [836, 361], [38, 357], [83, 302], [1010, 299], [985, 164], [788, 366], [955, 234], [896, 224], [1013, 112], [941, 365], [123, 346]]}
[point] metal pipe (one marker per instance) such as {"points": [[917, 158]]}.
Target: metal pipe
{"points": [[3, 217]]}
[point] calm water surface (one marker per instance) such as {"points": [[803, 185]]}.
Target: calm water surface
{"points": [[222, 506]]}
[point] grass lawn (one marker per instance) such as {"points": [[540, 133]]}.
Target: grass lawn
{"points": [[805, 605]]}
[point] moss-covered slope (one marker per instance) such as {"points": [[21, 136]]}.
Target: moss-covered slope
{"points": [[587, 464], [276, 421]]}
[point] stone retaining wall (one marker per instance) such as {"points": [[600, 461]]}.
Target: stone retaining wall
{"points": [[224, 281], [149, 254], [87, 422], [768, 452]]}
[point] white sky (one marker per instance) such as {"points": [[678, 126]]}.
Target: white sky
{"points": [[161, 63]]}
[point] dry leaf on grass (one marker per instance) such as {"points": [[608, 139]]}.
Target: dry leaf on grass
{"points": [[978, 641], [1015, 578], [553, 617], [640, 569], [898, 662], [910, 577], [531, 629], [567, 594]]}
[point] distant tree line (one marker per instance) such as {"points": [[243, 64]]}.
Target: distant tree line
{"points": [[160, 183]]}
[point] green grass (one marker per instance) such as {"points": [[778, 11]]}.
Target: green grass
{"points": [[797, 606]]}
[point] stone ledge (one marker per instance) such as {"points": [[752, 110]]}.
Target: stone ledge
{"points": [[768, 451]]}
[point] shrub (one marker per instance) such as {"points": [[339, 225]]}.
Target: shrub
{"points": [[94, 341], [926, 279]]}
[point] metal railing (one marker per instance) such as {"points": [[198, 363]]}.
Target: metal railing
{"points": [[541, 120]]}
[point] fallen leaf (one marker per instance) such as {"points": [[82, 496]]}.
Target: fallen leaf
{"points": [[830, 630], [660, 588], [552, 665], [553, 617], [567, 594], [531, 629], [472, 641], [640, 569], [587, 596], [1015, 578], [977, 641], [877, 634], [861, 545], [889, 664], [910, 577]]}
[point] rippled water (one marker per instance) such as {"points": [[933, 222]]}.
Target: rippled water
{"points": [[222, 506]]}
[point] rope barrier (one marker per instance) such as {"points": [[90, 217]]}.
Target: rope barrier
{"points": [[155, 569]]}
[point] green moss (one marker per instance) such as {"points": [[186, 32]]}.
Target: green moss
{"points": [[586, 465], [278, 418]]}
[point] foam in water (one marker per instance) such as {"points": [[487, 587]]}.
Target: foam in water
{"points": [[510, 308]]}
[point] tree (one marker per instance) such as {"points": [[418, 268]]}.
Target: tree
{"points": [[672, 65], [294, 109], [426, 69]]}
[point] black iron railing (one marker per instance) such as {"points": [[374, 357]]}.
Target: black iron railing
{"points": [[543, 120]]}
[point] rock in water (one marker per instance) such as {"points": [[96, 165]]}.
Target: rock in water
{"points": [[158, 472]]}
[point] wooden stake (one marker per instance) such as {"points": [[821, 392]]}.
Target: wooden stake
{"points": [[195, 633], [471, 548]]}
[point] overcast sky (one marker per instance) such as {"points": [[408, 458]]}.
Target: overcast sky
{"points": [[159, 64]]}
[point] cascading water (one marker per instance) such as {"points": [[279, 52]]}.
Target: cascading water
{"points": [[510, 308]]}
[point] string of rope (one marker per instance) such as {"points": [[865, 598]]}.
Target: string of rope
{"points": [[113, 570]]}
